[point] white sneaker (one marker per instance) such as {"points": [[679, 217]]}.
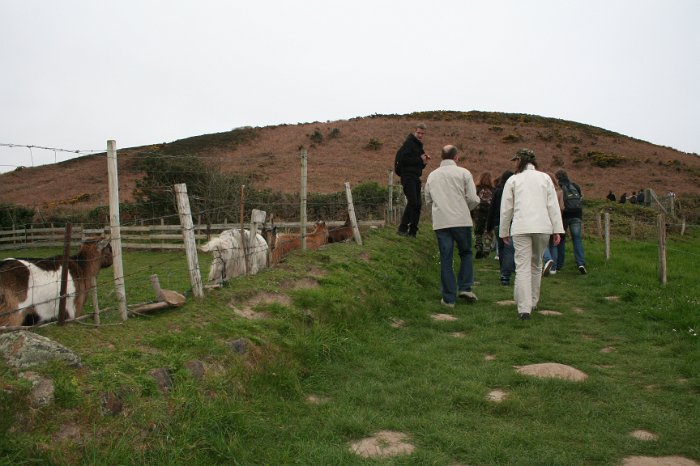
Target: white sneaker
{"points": [[469, 296], [450, 305], [547, 267], [552, 272]]}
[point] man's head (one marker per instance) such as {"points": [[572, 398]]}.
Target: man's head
{"points": [[420, 131], [449, 152]]}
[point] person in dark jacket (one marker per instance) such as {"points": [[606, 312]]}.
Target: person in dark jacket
{"points": [[506, 253], [408, 164], [611, 196]]}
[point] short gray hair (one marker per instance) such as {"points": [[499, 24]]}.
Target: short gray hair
{"points": [[421, 126]]}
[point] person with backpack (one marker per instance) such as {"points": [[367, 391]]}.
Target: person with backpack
{"points": [[573, 220], [408, 164], [484, 189]]}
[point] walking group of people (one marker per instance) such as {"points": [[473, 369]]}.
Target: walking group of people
{"points": [[523, 209], [637, 197]]}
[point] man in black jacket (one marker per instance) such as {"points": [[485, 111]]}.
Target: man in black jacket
{"points": [[408, 164]]}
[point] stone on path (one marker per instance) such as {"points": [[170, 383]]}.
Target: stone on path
{"points": [[607, 349], [383, 444], [317, 399], [489, 357], [508, 302], [658, 461], [397, 323], [444, 317], [497, 396], [553, 370], [546, 312], [643, 435]]}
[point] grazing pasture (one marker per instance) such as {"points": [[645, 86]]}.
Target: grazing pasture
{"points": [[342, 358]]}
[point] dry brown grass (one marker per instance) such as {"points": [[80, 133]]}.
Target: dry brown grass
{"points": [[274, 158]]}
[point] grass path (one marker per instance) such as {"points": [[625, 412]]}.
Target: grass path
{"points": [[356, 351]]}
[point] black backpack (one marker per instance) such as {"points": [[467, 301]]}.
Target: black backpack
{"points": [[572, 196]]}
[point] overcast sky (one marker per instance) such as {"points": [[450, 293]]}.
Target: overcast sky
{"points": [[75, 73]]}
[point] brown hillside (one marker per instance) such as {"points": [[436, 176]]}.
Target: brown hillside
{"points": [[486, 142]]}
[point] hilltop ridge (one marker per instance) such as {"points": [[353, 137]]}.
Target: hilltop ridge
{"points": [[362, 149]]}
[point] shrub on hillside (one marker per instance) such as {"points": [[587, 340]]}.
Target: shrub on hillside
{"points": [[374, 144], [601, 159], [512, 138], [14, 216]]}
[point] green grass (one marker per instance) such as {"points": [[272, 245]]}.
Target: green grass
{"points": [[336, 341]]}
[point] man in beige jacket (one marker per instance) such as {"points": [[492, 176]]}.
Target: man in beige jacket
{"points": [[529, 216], [450, 193]]}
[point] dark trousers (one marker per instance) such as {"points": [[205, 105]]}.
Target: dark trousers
{"points": [[411, 215]]}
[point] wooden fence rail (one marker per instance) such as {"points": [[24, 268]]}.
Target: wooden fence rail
{"points": [[143, 237]]}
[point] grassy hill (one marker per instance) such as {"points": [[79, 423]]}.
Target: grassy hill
{"points": [[301, 361], [362, 149]]}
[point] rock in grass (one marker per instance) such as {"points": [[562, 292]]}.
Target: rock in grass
{"points": [[22, 350]]}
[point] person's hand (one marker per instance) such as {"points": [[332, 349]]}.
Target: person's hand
{"points": [[506, 240], [425, 158], [556, 239]]}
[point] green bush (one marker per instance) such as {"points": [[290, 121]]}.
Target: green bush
{"points": [[12, 215], [601, 159], [374, 144], [316, 136]]}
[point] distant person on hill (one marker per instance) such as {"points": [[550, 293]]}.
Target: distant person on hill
{"points": [[623, 198], [451, 194], [529, 216], [633, 198], [505, 252], [640, 196], [611, 197], [484, 189], [408, 164], [572, 214]]}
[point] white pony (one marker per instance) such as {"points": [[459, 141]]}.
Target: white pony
{"points": [[229, 256]]}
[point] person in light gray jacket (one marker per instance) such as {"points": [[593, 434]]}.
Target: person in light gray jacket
{"points": [[529, 216], [450, 193]]}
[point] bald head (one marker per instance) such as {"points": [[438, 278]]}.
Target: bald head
{"points": [[449, 152]]}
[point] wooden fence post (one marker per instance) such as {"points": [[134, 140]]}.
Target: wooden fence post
{"points": [[661, 225], [183, 207], [62, 314], [115, 228], [302, 196], [95, 302], [600, 225], [683, 225], [351, 214], [607, 235], [244, 242]]}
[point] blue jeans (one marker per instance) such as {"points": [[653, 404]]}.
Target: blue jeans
{"points": [[506, 257], [575, 226], [551, 253], [446, 238]]}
